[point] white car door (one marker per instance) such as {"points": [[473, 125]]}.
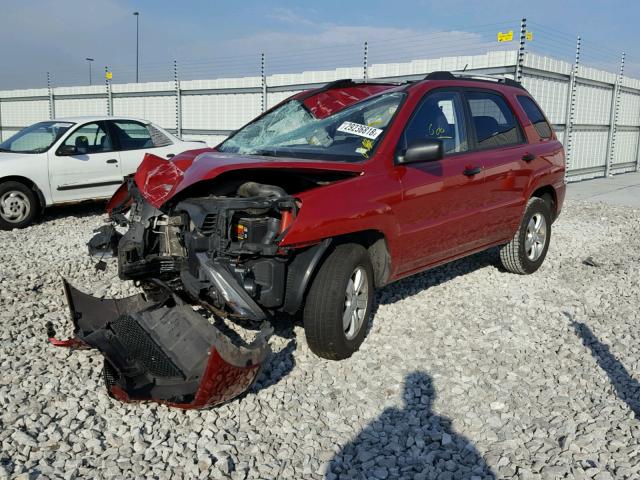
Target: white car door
{"points": [[135, 139], [85, 165]]}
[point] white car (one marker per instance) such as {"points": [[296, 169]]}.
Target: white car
{"points": [[74, 159]]}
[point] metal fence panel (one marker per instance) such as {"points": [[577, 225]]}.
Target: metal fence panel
{"points": [[626, 144], [593, 104], [157, 109], [219, 112], [23, 113], [629, 108], [590, 149]]}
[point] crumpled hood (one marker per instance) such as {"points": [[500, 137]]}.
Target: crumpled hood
{"points": [[160, 180]]}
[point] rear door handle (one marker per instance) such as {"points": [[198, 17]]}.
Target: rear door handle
{"points": [[527, 157], [471, 171], [112, 160], [171, 155]]}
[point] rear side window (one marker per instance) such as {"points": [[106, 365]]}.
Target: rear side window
{"points": [[494, 122], [535, 116], [158, 138]]}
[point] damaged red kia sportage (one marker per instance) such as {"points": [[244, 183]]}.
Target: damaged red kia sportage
{"points": [[329, 195]]}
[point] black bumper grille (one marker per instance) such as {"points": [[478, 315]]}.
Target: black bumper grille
{"points": [[143, 349]]}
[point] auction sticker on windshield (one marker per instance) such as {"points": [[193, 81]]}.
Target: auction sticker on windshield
{"points": [[360, 130]]}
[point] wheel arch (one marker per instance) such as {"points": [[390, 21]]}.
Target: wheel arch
{"points": [[29, 183], [549, 194], [306, 264], [376, 244]]}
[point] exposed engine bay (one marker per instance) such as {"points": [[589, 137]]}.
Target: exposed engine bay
{"points": [[221, 251]]}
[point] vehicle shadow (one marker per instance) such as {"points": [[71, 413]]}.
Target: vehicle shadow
{"points": [[411, 442], [627, 388], [77, 210], [414, 284]]}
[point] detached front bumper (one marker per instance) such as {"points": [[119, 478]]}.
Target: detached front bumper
{"points": [[164, 352]]}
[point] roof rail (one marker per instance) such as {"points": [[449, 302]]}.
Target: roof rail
{"points": [[444, 75]]}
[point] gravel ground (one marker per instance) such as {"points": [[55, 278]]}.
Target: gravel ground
{"points": [[467, 372]]}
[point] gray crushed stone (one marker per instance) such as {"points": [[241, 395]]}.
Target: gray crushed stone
{"points": [[467, 372]]}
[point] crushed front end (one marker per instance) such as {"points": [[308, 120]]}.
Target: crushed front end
{"points": [[199, 260]]}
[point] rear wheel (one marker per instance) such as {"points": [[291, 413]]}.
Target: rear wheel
{"points": [[18, 205], [338, 305], [527, 250]]}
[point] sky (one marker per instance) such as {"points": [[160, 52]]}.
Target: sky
{"points": [[211, 39]]}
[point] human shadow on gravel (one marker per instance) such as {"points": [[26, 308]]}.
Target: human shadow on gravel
{"points": [[627, 388], [412, 443], [414, 284]]}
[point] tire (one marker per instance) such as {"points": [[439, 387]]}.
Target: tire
{"points": [[18, 205], [327, 302], [527, 250]]}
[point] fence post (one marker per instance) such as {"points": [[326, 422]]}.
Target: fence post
{"points": [[637, 147], [264, 83], [366, 65], [523, 38], [178, 100], [613, 119], [1, 139], [109, 98], [571, 110], [52, 107]]}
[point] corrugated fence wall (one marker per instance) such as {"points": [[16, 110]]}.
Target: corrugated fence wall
{"points": [[596, 113]]}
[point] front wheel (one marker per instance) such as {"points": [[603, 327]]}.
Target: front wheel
{"points": [[527, 250], [338, 305], [18, 205]]}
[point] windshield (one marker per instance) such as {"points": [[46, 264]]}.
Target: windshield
{"points": [[291, 131], [37, 138]]}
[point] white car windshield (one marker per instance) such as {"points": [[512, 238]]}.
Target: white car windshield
{"points": [[292, 131], [37, 138]]}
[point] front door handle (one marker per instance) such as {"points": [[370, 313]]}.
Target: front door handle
{"points": [[112, 160], [527, 157], [471, 171]]}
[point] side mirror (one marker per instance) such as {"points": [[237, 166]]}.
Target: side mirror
{"points": [[68, 150], [422, 151]]}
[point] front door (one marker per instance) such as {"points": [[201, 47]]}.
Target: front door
{"points": [[442, 200], [85, 166]]}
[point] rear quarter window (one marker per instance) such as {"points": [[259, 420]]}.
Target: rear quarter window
{"points": [[535, 115]]}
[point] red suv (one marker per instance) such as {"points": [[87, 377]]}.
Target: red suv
{"points": [[329, 195]]}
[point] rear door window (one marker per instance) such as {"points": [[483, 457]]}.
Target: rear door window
{"points": [[132, 135], [494, 123], [536, 117]]}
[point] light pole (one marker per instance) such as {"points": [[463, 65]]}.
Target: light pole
{"points": [[89, 60], [137, 15]]}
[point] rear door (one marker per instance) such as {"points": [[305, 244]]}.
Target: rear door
{"points": [[442, 200], [501, 146], [134, 139], [91, 170]]}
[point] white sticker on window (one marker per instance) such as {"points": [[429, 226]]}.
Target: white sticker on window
{"points": [[61, 125], [360, 130]]}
